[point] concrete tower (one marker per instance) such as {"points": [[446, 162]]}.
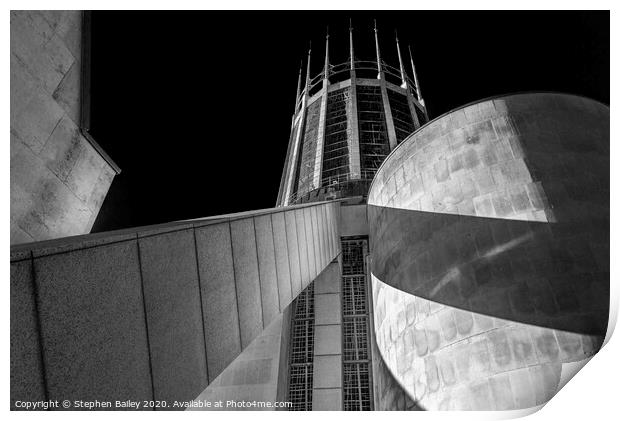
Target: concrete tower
{"points": [[347, 120]]}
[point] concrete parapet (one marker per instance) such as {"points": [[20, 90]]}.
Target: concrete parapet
{"points": [[158, 312]]}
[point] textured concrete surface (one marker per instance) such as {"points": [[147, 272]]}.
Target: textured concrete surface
{"points": [[328, 282], [219, 299], [26, 365], [245, 260], [353, 220], [304, 249], [327, 309], [281, 253], [490, 229], [327, 372], [58, 180], [174, 315], [327, 400], [157, 312], [327, 339], [388, 394], [267, 268], [294, 253], [93, 331]]}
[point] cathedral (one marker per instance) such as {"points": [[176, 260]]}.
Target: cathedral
{"points": [[458, 262]]}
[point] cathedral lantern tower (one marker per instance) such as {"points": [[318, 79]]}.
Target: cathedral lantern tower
{"points": [[347, 119]]}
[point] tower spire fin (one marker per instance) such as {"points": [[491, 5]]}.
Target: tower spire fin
{"points": [[415, 78], [308, 69], [351, 45], [301, 66], [403, 77], [379, 67], [326, 70]]}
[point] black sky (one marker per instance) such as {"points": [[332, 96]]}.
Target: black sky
{"points": [[195, 107]]}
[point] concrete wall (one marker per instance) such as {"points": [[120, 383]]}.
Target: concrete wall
{"points": [[158, 312], [490, 232], [58, 180], [353, 220]]}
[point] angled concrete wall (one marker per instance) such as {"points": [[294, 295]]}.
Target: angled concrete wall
{"points": [[490, 232], [158, 312], [58, 179]]}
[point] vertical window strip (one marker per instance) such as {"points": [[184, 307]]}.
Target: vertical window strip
{"points": [[356, 358], [302, 352]]}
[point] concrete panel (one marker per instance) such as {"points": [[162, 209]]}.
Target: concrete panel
{"points": [[174, 315], [306, 216], [303, 247], [22, 88], [29, 35], [27, 376], [294, 253], [327, 309], [327, 400], [353, 220], [32, 131], [336, 225], [282, 259], [219, 299], [245, 260], [323, 233], [84, 175], [64, 148], [333, 214], [329, 280], [267, 268], [318, 250], [327, 371], [67, 95], [326, 231], [327, 340], [95, 348], [326, 242], [100, 189], [30, 211], [329, 229]]}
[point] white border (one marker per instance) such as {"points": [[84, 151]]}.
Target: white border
{"points": [[591, 394]]}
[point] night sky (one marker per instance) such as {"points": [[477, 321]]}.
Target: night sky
{"points": [[195, 107]]}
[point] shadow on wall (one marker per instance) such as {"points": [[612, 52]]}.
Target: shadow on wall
{"points": [[491, 223], [541, 274], [484, 313], [390, 395]]}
